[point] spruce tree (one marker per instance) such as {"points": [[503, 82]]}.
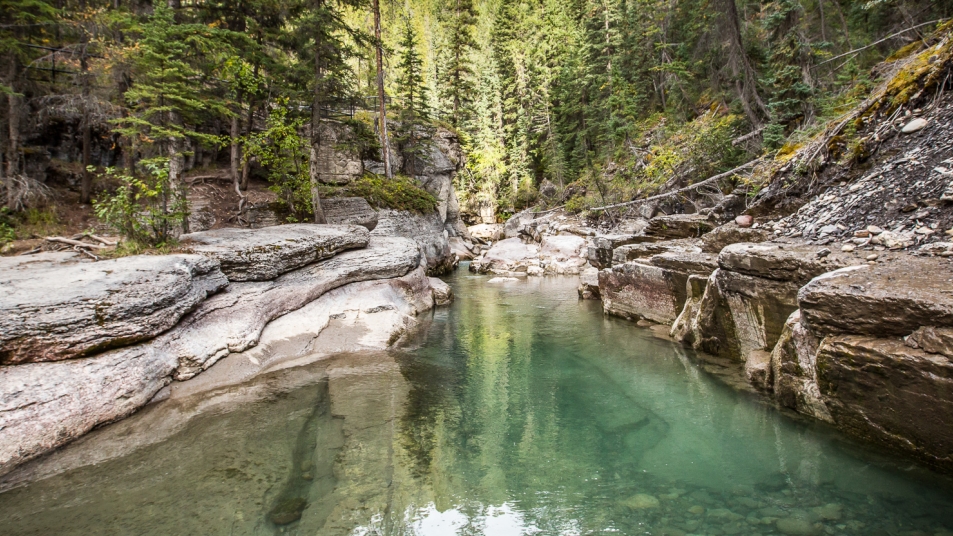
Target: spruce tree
{"points": [[456, 78], [411, 86]]}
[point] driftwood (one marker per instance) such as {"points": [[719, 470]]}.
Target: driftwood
{"points": [[86, 252], [688, 188], [102, 240], [74, 243]]}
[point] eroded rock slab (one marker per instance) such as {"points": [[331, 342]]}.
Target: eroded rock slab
{"points": [[263, 254], [732, 233], [602, 247], [890, 299], [349, 210], [643, 250], [45, 405], [52, 308], [428, 230], [884, 391], [782, 262], [679, 226]]}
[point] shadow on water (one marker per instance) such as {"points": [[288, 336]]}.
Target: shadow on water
{"points": [[312, 464]]}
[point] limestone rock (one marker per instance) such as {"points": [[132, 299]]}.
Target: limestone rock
{"points": [[507, 255], [886, 299], [442, 293], [781, 262], [487, 231], [334, 160], [730, 233], [641, 501], [589, 284], [884, 391], [601, 247], [52, 310], [682, 329], [644, 249], [758, 369], [563, 255], [45, 405], [428, 230], [263, 254], [914, 126], [744, 221], [678, 226], [349, 210], [794, 370], [460, 248], [635, 291]]}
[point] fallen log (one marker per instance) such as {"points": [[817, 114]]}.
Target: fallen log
{"points": [[71, 242]]}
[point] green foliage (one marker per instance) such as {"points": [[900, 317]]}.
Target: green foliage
{"points": [[284, 153], [142, 209], [398, 193], [411, 89]]}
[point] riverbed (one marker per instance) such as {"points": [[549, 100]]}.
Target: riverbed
{"points": [[517, 410]]}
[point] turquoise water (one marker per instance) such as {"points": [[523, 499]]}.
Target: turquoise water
{"points": [[517, 410]]}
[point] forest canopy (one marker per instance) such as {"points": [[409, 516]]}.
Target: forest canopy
{"points": [[612, 96]]}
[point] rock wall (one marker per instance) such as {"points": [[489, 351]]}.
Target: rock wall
{"points": [[46, 404], [858, 339]]}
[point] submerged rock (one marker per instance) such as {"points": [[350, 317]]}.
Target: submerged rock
{"points": [[641, 501], [53, 307], [263, 254], [442, 293]]}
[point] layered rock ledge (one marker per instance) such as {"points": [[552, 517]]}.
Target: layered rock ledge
{"points": [[46, 404]]}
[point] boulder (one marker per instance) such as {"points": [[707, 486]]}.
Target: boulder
{"points": [[509, 255], [53, 308], [589, 284], [442, 293], [881, 390], [601, 247], [562, 254], [349, 210], [678, 226], [731, 233], [263, 254], [886, 299], [335, 160], [488, 232], [428, 230], [460, 248]]}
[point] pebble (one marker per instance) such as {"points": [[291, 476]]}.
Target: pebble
{"points": [[874, 230], [913, 126], [696, 510], [924, 231], [847, 248], [948, 232], [862, 233], [823, 253], [873, 257], [744, 220], [796, 526]]}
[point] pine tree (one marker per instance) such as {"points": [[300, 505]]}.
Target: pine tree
{"points": [[171, 95], [456, 78], [411, 86]]}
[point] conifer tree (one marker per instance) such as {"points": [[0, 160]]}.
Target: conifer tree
{"points": [[456, 78], [411, 86]]}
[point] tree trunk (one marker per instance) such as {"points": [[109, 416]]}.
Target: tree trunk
{"points": [[13, 139], [382, 111], [745, 77], [235, 156], [316, 121], [86, 189]]}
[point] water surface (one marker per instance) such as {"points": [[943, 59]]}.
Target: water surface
{"points": [[517, 410]]}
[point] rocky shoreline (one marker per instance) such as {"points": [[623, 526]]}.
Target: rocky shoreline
{"points": [[87, 343], [858, 334]]}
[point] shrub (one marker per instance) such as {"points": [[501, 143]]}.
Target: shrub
{"points": [[143, 210]]}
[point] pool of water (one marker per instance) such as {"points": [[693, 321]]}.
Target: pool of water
{"points": [[517, 410]]}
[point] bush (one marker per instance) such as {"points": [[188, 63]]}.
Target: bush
{"points": [[399, 193], [143, 210]]}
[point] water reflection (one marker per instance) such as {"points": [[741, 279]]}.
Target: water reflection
{"points": [[518, 410]]}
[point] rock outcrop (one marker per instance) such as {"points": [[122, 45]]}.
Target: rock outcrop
{"points": [[44, 405], [263, 254], [54, 306], [349, 210], [556, 254], [428, 230]]}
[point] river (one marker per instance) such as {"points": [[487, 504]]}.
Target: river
{"points": [[517, 410]]}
